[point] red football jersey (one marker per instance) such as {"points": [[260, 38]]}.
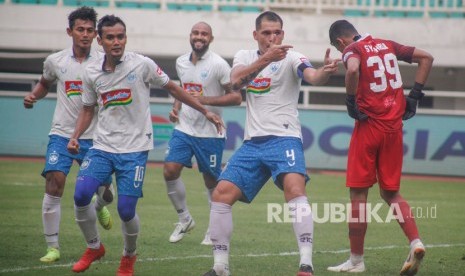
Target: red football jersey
{"points": [[380, 92]]}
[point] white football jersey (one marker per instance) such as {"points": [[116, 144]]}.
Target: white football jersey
{"points": [[66, 71], [206, 76], [273, 95], [124, 119]]}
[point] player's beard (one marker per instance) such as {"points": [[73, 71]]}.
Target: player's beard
{"points": [[200, 51]]}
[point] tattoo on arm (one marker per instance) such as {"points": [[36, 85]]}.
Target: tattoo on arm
{"points": [[246, 80]]}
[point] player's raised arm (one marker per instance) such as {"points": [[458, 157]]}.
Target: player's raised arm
{"points": [[321, 75]]}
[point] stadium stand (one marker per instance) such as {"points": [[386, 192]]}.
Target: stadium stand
{"points": [[355, 8], [159, 29]]}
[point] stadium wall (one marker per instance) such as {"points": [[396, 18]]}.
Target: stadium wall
{"points": [[165, 33], [433, 144]]}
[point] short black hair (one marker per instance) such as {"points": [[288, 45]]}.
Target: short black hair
{"points": [[109, 21], [83, 13], [268, 15], [341, 28]]}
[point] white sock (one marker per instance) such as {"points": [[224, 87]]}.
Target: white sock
{"points": [[300, 210], [209, 196], [100, 202], [130, 231], [414, 242], [51, 215], [221, 226], [86, 218], [177, 194], [356, 259]]}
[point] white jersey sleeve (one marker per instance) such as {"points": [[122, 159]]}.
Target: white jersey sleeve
{"points": [[153, 73]]}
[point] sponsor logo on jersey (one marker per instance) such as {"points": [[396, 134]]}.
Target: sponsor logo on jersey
{"points": [[389, 101], [73, 88], [117, 97], [193, 87], [259, 86]]}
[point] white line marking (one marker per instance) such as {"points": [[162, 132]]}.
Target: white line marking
{"points": [[23, 184], [253, 255]]}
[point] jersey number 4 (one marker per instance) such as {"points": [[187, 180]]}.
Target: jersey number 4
{"points": [[386, 65]]}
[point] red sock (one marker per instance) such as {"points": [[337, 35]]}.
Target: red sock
{"points": [[408, 226], [358, 227]]}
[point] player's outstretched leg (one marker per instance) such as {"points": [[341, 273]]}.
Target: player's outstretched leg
{"points": [[414, 258], [299, 208], [221, 226], [51, 215]]}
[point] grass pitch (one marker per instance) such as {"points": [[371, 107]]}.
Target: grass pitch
{"points": [[257, 247]]}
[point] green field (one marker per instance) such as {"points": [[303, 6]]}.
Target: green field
{"points": [[257, 247]]}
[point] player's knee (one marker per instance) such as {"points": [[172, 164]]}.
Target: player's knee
{"points": [[55, 183], [85, 189], [226, 192], [171, 172], [127, 207], [170, 175]]}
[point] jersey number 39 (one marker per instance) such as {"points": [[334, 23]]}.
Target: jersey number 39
{"points": [[387, 72]]}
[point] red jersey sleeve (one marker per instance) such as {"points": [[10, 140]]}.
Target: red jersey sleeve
{"points": [[404, 53], [350, 51]]}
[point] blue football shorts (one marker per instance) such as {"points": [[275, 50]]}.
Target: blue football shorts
{"points": [[208, 152], [129, 169], [59, 159], [258, 159]]}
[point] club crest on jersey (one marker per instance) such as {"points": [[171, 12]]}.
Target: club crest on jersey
{"points": [[131, 77], [85, 164], [117, 97], [53, 158], [73, 88], [204, 74], [259, 86], [274, 67], [193, 87]]}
